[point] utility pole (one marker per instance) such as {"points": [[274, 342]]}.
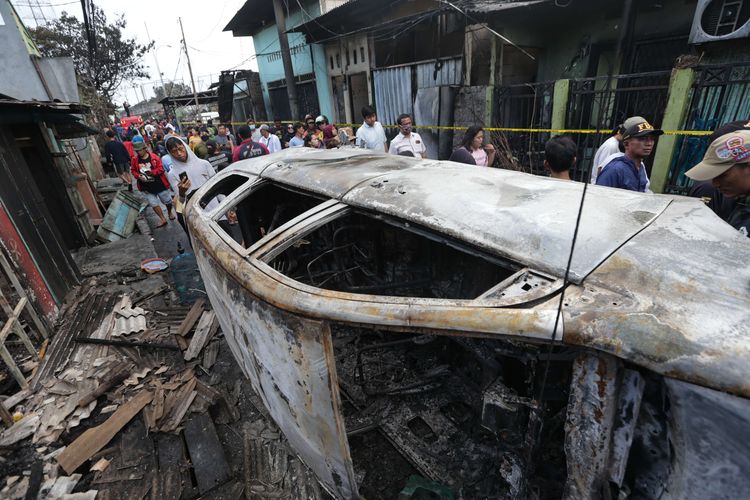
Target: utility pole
{"points": [[286, 58], [190, 68], [156, 60]]}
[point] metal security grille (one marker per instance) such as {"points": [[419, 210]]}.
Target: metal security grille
{"points": [[720, 94], [602, 103], [522, 106]]}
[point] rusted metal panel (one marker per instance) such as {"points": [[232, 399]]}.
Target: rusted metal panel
{"points": [[709, 434], [289, 361], [628, 409], [676, 301], [440, 72], [393, 92], [588, 430]]}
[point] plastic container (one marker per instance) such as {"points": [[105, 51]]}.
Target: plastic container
{"points": [[119, 221], [187, 278]]}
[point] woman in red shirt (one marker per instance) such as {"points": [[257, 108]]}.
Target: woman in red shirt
{"points": [[152, 181]]}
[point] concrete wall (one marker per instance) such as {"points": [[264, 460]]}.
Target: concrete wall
{"points": [[569, 36], [311, 59], [18, 77]]}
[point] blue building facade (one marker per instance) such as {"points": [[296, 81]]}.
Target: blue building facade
{"points": [[314, 93]]}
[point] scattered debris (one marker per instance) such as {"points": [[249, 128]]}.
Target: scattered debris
{"points": [[206, 328], [96, 438], [20, 430]]}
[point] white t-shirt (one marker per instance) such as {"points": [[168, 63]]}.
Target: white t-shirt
{"points": [[412, 143], [371, 137], [272, 142], [608, 148]]}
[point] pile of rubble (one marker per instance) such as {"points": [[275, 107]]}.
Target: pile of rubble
{"points": [[128, 402]]}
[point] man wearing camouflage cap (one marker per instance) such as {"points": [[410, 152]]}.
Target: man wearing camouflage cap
{"points": [[628, 171], [727, 165]]}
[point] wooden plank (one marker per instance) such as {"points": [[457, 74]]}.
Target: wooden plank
{"points": [[207, 327], [20, 430], [192, 316], [5, 355], [12, 319], [176, 405], [173, 475], [40, 326], [206, 453], [6, 417], [9, 313], [119, 373], [210, 353], [97, 437], [16, 398]]}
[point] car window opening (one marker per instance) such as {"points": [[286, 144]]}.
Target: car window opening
{"points": [[265, 209], [457, 409], [357, 253], [223, 188]]}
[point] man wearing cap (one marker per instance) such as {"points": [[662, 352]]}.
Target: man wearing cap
{"points": [[628, 171], [269, 140], [727, 165]]}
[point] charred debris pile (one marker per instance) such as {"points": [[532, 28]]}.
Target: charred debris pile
{"points": [[137, 397]]}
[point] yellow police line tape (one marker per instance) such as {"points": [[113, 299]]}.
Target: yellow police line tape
{"points": [[513, 129]]}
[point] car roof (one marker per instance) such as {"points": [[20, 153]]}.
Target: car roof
{"points": [[524, 218]]}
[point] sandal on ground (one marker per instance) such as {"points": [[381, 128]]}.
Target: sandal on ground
{"points": [[161, 225]]}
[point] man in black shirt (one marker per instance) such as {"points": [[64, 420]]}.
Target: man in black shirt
{"points": [[727, 165], [117, 156]]}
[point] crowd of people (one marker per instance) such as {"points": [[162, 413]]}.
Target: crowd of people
{"points": [[168, 167]]}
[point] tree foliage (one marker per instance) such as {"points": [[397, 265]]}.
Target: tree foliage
{"points": [[112, 60], [172, 89]]}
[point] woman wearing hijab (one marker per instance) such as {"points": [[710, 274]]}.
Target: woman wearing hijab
{"points": [[472, 150]]}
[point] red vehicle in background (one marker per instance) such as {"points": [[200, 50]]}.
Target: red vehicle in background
{"points": [[127, 121]]}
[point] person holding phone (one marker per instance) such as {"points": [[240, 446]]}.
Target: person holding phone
{"points": [[147, 169], [188, 173]]}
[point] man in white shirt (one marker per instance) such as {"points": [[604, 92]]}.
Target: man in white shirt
{"points": [[608, 148], [406, 141], [371, 134], [269, 140]]}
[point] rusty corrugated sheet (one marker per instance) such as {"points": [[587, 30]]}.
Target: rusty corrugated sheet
{"points": [[393, 93], [440, 73]]}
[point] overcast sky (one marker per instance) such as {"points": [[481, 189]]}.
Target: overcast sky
{"points": [[211, 50]]}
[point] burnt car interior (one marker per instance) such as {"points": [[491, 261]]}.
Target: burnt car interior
{"points": [[460, 411], [359, 253], [266, 208]]}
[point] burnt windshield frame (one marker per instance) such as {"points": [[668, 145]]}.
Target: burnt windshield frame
{"points": [[268, 253], [250, 189]]}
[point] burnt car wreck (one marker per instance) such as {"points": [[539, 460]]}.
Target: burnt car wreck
{"points": [[400, 317]]}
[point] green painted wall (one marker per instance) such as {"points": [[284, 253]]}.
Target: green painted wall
{"points": [[674, 116]]}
